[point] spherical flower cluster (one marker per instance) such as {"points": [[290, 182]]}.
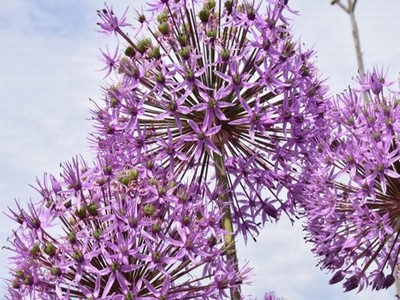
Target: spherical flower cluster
{"points": [[351, 192], [217, 91], [115, 231]]}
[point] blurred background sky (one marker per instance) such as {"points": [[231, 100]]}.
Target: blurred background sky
{"points": [[48, 60]]}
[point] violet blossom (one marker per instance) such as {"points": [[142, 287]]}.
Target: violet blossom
{"points": [[123, 232], [218, 82], [351, 190]]}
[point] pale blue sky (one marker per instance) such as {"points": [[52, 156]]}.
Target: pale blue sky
{"points": [[48, 59]]}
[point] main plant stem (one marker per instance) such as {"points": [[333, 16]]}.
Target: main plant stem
{"points": [[226, 222], [351, 5]]}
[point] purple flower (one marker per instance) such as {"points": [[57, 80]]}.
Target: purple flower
{"points": [[133, 233], [351, 190], [219, 84], [110, 23]]}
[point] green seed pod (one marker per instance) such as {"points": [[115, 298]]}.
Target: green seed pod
{"points": [[92, 209], [210, 5], [162, 17], [148, 210], [129, 296], [305, 71], [156, 228], [160, 79], [50, 249], [157, 256], [204, 15], [19, 273], [71, 237], [78, 256], [28, 280], [36, 223], [212, 34], [130, 51], [143, 45], [171, 184], [225, 54], [133, 222], [56, 271], [229, 6], [107, 170], [185, 53], [149, 164], [186, 220], [115, 266], [153, 181], [190, 75], [212, 241], [101, 181], [35, 249], [162, 190], [81, 212], [97, 233], [251, 15], [125, 180], [164, 28], [155, 53], [182, 40], [134, 174], [72, 221]]}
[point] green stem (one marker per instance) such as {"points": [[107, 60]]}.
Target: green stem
{"points": [[226, 222]]}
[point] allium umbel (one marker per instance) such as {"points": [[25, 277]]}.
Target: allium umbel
{"points": [[352, 192], [120, 232], [217, 91]]}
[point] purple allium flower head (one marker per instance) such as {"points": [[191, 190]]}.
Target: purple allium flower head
{"points": [[351, 192], [272, 296], [217, 82], [126, 233]]}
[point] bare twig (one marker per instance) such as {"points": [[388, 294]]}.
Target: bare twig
{"points": [[351, 5]]}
